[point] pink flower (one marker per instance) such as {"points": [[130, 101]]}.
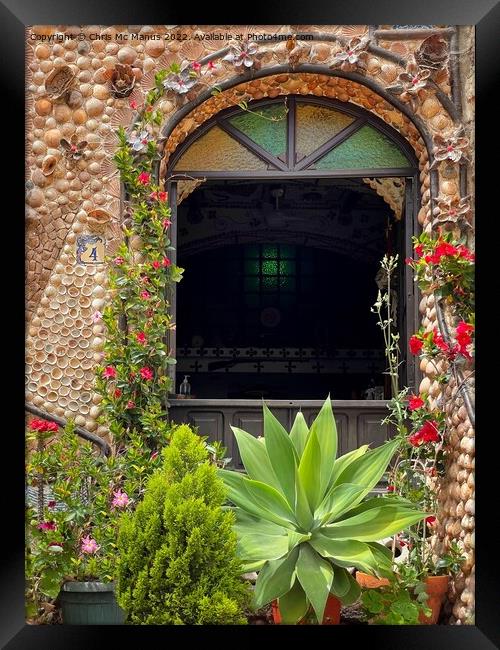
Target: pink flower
{"points": [[166, 223], [47, 525], [166, 262], [89, 545], [133, 104], [120, 499], [146, 373], [211, 65], [159, 196], [141, 338], [143, 178], [145, 295], [430, 520], [118, 261], [109, 372], [96, 316], [130, 404], [196, 66], [155, 264]]}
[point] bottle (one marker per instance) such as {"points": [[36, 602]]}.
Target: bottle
{"points": [[185, 387]]}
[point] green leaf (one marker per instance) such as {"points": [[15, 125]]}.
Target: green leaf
{"points": [[282, 454], [302, 509], [50, 583], [295, 538], [345, 460], [315, 575], [308, 470], [326, 431], [299, 433], [373, 524], [275, 579], [293, 605], [253, 547], [258, 498], [339, 499], [340, 583], [346, 553], [255, 458], [368, 469]]}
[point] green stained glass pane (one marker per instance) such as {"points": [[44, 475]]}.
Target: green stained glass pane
{"points": [[252, 267], [286, 283], [269, 283], [269, 252], [317, 124], [266, 127], [252, 251], [270, 267], [287, 252], [287, 267], [366, 148], [252, 283]]}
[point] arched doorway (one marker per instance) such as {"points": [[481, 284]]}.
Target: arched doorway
{"points": [[285, 221]]}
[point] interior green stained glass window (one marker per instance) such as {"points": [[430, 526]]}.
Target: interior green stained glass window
{"points": [[269, 268], [367, 148], [315, 125], [267, 127], [218, 151]]}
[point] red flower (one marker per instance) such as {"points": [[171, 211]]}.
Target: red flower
{"points": [[440, 342], [141, 338], [430, 520], [130, 404], [43, 425], [154, 455], [118, 261], [166, 223], [390, 488], [464, 252], [146, 373], [51, 504], [143, 178], [429, 432], [133, 104], [419, 250], [445, 249], [47, 525], [155, 264], [416, 345], [415, 440], [109, 372], [211, 65], [166, 262], [145, 295], [196, 66], [408, 260], [117, 393], [415, 402], [159, 196]]}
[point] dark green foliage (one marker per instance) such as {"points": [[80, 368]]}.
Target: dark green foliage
{"points": [[177, 552]]}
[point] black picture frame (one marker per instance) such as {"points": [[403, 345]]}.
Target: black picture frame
{"points": [[14, 16]]}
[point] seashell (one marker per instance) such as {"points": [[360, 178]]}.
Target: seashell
{"points": [[76, 384], [70, 372], [73, 292], [42, 390], [73, 405], [74, 363], [79, 281], [71, 303], [51, 396], [64, 390], [55, 384], [53, 338], [48, 165], [63, 401], [84, 300], [79, 271], [79, 373], [431, 107], [42, 333], [51, 358], [98, 217], [37, 366], [83, 344], [86, 291], [44, 380], [59, 81], [56, 373], [86, 364], [192, 50]]}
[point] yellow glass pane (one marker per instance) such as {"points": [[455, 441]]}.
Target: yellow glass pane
{"points": [[218, 151], [315, 125]]}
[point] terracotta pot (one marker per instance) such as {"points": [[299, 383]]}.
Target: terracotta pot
{"points": [[367, 581], [436, 587], [330, 617]]}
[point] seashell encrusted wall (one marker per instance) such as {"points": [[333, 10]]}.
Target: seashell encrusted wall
{"points": [[75, 99]]}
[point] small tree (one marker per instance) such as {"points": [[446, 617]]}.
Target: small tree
{"points": [[177, 552]]}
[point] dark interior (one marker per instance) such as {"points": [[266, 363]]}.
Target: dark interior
{"points": [[278, 284]]}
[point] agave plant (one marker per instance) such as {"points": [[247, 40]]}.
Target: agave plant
{"points": [[301, 514]]}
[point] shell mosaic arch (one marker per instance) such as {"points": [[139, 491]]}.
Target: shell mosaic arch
{"points": [[78, 92]]}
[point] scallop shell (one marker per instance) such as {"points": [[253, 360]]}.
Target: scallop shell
{"points": [[73, 292], [79, 373], [86, 364], [122, 117], [73, 405], [48, 165], [64, 391], [44, 379], [98, 217], [42, 390]]}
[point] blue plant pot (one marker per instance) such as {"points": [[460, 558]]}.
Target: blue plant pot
{"points": [[90, 603]]}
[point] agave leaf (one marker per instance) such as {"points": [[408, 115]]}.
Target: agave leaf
{"points": [[282, 454], [340, 584], [302, 509], [275, 579], [373, 524], [257, 498], [338, 500], [345, 460], [369, 468], [295, 538], [293, 605], [247, 523], [383, 558], [308, 470], [376, 502], [326, 431], [345, 553], [354, 591], [255, 458], [253, 547], [315, 575], [299, 433]]}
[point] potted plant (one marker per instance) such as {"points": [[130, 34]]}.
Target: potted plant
{"points": [[302, 517]]}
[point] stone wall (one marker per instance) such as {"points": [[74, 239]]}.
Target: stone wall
{"points": [[76, 192]]}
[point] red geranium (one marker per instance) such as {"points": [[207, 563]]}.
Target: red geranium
{"points": [[143, 178], [429, 431], [141, 338], [166, 262], [415, 345], [130, 404], [166, 223], [117, 393], [145, 295], [109, 372], [146, 373], [440, 342], [419, 250], [43, 425], [47, 525], [415, 402], [155, 264]]}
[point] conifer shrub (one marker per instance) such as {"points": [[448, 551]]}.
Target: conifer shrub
{"points": [[177, 562]]}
